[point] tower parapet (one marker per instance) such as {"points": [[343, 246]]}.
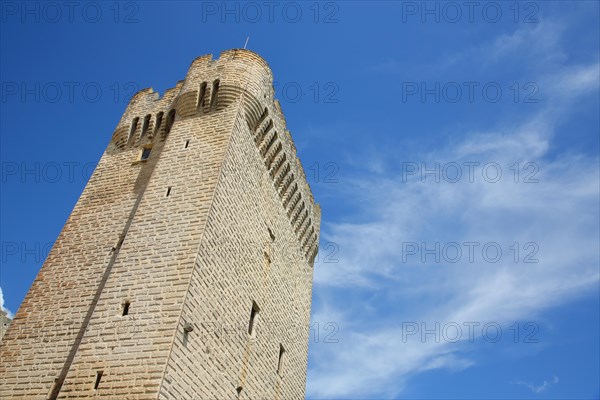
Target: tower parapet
{"points": [[241, 78]]}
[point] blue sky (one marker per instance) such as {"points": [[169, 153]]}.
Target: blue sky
{"points": [[454, 152]]}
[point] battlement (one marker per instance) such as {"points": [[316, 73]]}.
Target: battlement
{"points": [[238, 78], [238, 55]]}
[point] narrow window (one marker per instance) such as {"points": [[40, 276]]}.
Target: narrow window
{"points": [[267, 258], [159, 118], [187, 328], [280, 362], [253, 314], [170, 121], [126, 308], [168, 191], [145, 125], [145, 153], [271, 234], [239, 390], [201, 96], [134, 125], [187, 144], [214, 94], [98, 379], [186, 338]]}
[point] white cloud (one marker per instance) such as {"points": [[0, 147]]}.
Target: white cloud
{"points": [[9, 313], [538, 44], [545, 38], [538, 388], [574, 81], [558, 214]]}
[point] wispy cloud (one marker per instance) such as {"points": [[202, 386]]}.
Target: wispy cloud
{"points": [[381, 291], [538, 44], [558, 214], [538, 388]]}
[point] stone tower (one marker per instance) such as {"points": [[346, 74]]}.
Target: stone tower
{"points": [[185, 269]]}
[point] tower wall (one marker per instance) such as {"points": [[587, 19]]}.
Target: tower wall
{"points": [[153, 269], [49, 320], [239, 263]]}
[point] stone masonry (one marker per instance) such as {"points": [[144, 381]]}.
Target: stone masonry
{"points": [[185, 269], [4, 323]]}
